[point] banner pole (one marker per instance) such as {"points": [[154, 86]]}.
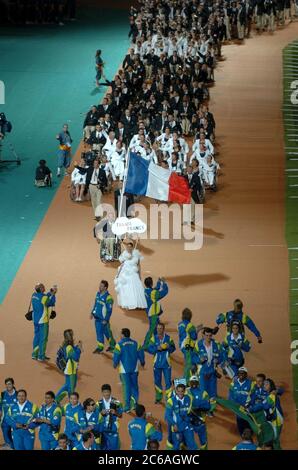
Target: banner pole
{"points": [[123, 185]]}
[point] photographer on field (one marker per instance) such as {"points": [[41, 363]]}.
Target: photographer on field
{"points": [[42, 304], [111, 410]]}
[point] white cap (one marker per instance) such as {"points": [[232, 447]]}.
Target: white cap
{"points": [[194, 378], [242, 369]]}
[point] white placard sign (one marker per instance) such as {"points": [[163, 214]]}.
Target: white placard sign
{"points": [[124, 225]]}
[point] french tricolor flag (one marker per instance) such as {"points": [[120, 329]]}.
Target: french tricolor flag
{"points": [[144, 178]]}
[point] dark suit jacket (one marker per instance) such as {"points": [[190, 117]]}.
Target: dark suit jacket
{"points": [[101, 180], [195, 186], [96, 140]]}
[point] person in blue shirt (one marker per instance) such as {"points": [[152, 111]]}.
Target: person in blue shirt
{"points": [[87, 442], [187, 339], [110, 410], [237, 315], [8, 398], [75, 419], [72, 354], [258, 394], [127, 356], [141, 431], [234, 345], [153, 296], [200, 406], [94, 420], [209, 357], [41, 305], [21, 418], [101, 313], [247, 442], [63, 443], [178, 418], [161, 346], [49, 420], [240, 390]]}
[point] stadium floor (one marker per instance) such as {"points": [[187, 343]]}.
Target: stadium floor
{"points": [[244, 254], [49, 76]]}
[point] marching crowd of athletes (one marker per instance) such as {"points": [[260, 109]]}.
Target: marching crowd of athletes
{"points": [[191, 400], [93, 423]]}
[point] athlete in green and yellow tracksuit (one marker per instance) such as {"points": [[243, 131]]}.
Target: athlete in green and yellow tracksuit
{"points": [[41, 304], [153, 296], [101, 313], [187, 339], [161, 346], [72, 355]]}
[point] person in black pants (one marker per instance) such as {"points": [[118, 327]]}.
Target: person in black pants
{"points": [[128, 200]]}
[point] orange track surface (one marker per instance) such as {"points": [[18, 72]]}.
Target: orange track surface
{"points": [[244, 254]]}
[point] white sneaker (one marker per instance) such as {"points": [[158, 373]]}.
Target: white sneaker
{"points": [[58, 172], [77, 199]]}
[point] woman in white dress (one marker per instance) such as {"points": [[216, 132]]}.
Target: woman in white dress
{"points": [[128, 284]]}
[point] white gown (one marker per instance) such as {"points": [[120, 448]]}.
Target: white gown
{"points": [[128, 285]]}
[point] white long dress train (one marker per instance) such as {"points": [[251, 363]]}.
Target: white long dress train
{"points": [[128, 285]]}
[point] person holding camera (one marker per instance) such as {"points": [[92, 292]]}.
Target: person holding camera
{"points": [[200, 405], [94, 420], [161, 346], [208, 356], [153, 295], [101, 313], [141, 431], [72, 354], [111, 410], [21, 418], [49, 420], [178, 417], [41, 305]]}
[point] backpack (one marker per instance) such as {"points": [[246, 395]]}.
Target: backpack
{"points": [[61, 360]]}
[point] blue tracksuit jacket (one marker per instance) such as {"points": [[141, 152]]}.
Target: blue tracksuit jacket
{"points": [[141, 432], [103, 306], [49, 432], [74, 421], [40, 305], [239, 392], [231, 316], [153, 296], [161, 358], [127, 354]]}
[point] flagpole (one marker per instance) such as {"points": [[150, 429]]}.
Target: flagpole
{"points": [[124, 184]]}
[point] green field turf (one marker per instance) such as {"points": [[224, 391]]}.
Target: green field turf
{"points": [[290, 113]]}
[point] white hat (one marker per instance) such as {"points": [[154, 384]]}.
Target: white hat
{"points": [[194, 378], [242, 369]]}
